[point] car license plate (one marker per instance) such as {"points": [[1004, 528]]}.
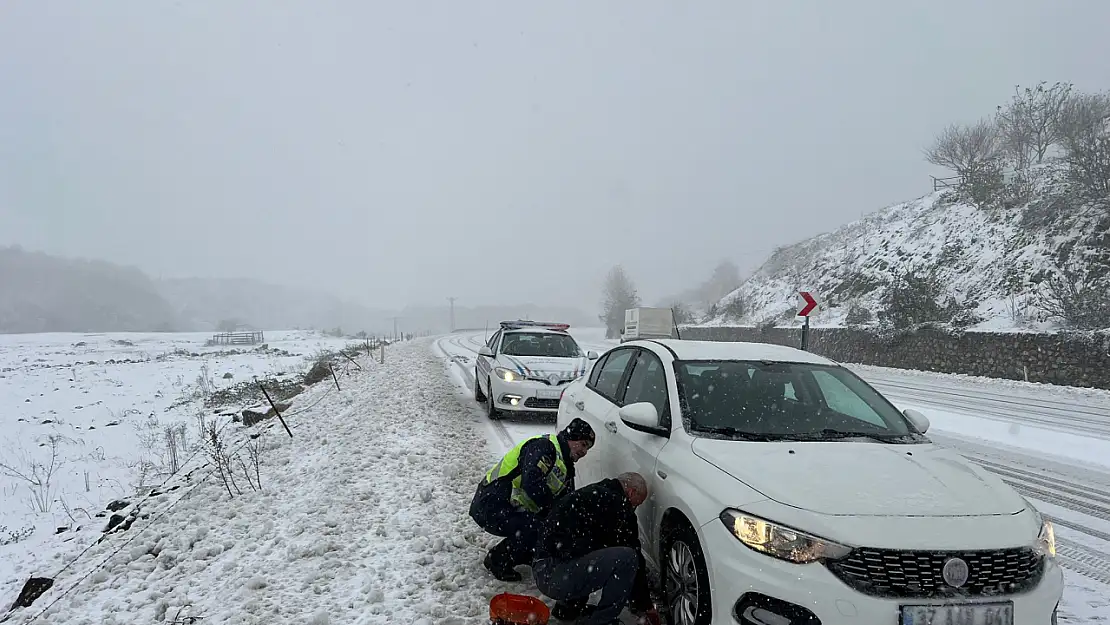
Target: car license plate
{"points": [[962, 614], [547, 393]]}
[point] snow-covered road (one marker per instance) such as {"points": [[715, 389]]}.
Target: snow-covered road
{"points": [[1051, 443]]}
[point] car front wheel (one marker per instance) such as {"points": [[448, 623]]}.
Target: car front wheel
{"points": [[479, 396], [491, 409], [686, 594]]}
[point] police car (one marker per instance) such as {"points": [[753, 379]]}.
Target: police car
{"points": [[525, 366]]}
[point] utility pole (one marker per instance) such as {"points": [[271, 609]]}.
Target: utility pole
{"points": [[395, 328], [452, 300]]}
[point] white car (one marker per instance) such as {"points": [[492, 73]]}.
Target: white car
{"points": [[786, 490], [525, 366]]}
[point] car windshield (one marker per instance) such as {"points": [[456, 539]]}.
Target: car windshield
{"points": [[550, 344], [787, 401]]}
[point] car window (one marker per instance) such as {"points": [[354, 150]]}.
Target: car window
{"points": [[610, 374], [841, 399], [785, 400], [492, 342], [596, 370], [647, 383], [543, 344]]}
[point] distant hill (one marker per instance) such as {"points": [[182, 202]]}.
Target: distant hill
{"points": [[1013, 268], [42, 293], [205, 303]]}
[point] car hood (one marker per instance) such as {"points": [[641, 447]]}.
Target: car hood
{"points": [[545, 367], [863, 478]]}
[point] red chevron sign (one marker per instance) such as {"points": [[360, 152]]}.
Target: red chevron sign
{"points": [[810, 304]]}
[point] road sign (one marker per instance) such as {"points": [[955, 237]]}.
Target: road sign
{"points": [[809, 305]]}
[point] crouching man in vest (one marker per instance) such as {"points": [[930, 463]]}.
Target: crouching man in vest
{"points": [[519, 490]]}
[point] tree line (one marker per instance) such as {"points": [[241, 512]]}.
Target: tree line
{"points": [[996, 158]]}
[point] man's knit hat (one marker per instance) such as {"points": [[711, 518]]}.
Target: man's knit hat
{"points": [[579, 430]]}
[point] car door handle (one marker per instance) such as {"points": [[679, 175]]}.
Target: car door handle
{"points": [[661, 473], [611, 426], [581, 405]]}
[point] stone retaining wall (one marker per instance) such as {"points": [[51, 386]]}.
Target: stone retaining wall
{"points": [[1073, 359]]}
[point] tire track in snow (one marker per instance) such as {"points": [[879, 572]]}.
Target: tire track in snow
{"points": [[497, 427], [1061, 416]]}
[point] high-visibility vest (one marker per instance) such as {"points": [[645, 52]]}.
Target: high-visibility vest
{"points": [[507, 466]]}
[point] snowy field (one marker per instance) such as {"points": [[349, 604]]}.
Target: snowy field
{"points": [[361, 518], [83, 421], [1051, 443]]}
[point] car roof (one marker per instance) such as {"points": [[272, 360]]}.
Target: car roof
{"points": [[535, 330], [722, 350]]}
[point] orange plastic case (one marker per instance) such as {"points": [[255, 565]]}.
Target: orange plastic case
{"points": [[510, 609]]}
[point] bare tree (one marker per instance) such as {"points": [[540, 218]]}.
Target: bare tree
{"points": [[725, 280], [965, 149], [1029, 124], [975, 154], [619, 294], [1084, 127]]}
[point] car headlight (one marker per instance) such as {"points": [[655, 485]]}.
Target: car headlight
{"points": [[780, 542], [507, 374], [1046, 541]]}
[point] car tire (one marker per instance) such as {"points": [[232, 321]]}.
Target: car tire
{"points": [[687, 599], [491, 409], [479, 396]]}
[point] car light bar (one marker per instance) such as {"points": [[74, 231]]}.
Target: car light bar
{"points": [[521, 323]]}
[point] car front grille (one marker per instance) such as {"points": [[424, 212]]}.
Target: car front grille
{"points": [[891, 573], [541, 404], [548, 382]]}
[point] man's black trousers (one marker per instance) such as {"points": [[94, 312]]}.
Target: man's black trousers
{"points": [[519, 530]]}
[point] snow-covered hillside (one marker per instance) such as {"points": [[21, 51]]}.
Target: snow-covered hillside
{"points": [[991, 261]]}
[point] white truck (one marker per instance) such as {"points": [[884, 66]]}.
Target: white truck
{"points": [[648, 323]]}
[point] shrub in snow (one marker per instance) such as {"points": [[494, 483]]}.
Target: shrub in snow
{"points": [[10, 537], [36, 474], [858, 315], [913, 299], [1078, 299], [735, 308]]}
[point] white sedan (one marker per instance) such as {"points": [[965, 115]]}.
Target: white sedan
{"points": [[525, 366], [785, 490]]}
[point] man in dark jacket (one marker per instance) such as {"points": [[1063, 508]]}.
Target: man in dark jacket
{"points": [[521, 488], [591, 541]]}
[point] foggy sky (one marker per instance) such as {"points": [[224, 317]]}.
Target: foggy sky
{"points": [[501, 152]]}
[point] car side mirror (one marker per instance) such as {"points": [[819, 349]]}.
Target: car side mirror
{"points": [[919, 421], [592, 355], [641, 416], [485, 351]]}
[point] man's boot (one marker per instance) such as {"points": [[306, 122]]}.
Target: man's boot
{"points": [[568, 610], [500, 567]]}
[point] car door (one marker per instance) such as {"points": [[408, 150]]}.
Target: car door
{"points": [[635, 450], [485, 365], [596, 403]]}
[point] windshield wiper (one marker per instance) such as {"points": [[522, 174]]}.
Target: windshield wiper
{"points": [[737, 433], [829, 434]]}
